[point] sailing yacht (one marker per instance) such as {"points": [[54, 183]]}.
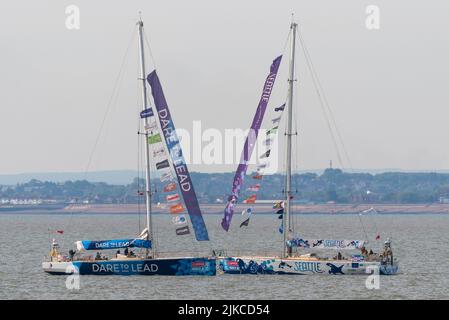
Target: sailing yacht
{"points": [[297, 255], [160, 134]]}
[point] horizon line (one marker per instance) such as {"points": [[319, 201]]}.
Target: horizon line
{"points": [[232, 171]]}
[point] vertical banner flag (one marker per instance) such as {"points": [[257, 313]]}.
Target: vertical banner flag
{"points": [[250, 143], [261, 167], [174, 148]]}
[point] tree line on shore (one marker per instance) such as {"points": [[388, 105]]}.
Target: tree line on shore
{"points": [[333, 185]]}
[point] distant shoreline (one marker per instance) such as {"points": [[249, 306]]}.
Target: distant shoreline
{"points": [[330, 209]]}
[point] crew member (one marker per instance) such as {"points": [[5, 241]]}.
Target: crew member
{"points": [[387, 253], [364, 252], [54, 252]]}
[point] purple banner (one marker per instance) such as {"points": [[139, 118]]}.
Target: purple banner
{"points": [[179, 164], [250, 143]]}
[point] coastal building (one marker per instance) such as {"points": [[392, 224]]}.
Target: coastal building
{"points": [[444, 199]]}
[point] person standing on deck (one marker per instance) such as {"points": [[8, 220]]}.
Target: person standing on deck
{"points": [[387, 254], [54, 252]]}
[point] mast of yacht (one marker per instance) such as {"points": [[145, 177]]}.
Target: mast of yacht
{"points": [[147, 147], [288, 156]]}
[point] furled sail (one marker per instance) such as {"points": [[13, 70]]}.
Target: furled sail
{"points": [[326, 244], [179, 164], [112, 244], [250, 143]]}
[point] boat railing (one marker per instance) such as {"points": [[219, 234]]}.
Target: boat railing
{"points": [[247, 253], [217, 253], [194, 254]]}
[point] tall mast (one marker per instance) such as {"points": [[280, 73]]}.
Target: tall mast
{"points": [[288, 178], [147, 148]]}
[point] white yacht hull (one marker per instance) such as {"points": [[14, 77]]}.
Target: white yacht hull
{"points": [[274, 265]]}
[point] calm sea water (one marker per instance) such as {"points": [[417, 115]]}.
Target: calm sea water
{"points": [[420, 242]]}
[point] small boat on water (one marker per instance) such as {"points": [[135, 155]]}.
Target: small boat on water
{"points": [[161, 140], [297, 256]]}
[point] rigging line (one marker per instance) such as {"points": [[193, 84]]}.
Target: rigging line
{"points": [[325, 100], [140, 146], [287, 41], [172, 171], [108, 106], [138, 177], [317, 84], [375, 225], [296, 126], [323, 109], [374, 216], [376, 231], [149, 48], [327, 105], [139, 212], [283, 52], [329, 110], [114, 104], [363, 227], [284, 164], [294, 114]]}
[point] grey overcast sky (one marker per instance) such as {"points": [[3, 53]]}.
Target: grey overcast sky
{"points": [[388, 88]]}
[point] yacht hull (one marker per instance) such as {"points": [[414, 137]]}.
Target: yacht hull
{"points": [[297, 266], [163, 267]]}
